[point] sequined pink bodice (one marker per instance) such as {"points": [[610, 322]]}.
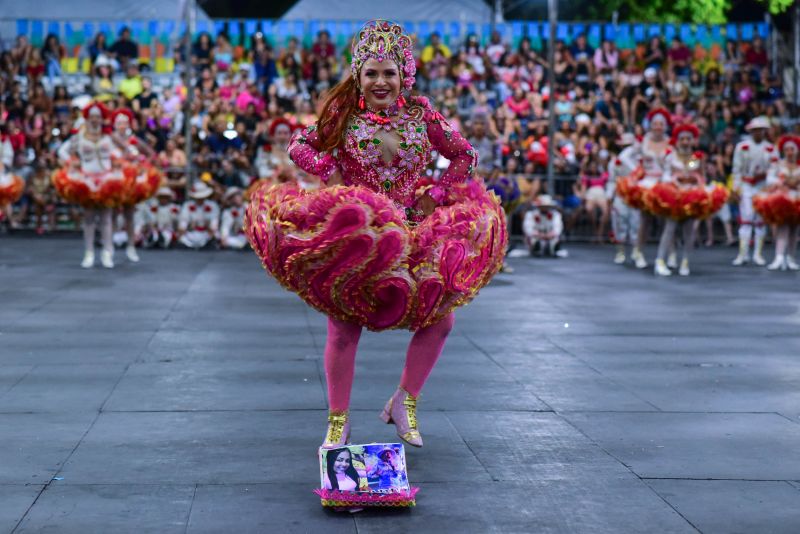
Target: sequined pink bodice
{"points": [[420, 130]]}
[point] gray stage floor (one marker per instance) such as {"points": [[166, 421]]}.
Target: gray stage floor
{"points": [[184, 394]]}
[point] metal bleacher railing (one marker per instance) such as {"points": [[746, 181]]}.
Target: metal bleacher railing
{"points": [[157, 38]]}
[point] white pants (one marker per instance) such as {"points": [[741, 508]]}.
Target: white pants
{"points": [[157, 237], [749, 218], [196, 239], [624, 222]]}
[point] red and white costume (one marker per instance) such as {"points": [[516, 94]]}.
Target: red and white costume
{"points": [[625, 219], [199, 218], [779, 202], [161, 223], [751, 161], [543, 227], [682, 197], [648, 158], [231, 228], [11, 185], [145, 177], [92, 179]]}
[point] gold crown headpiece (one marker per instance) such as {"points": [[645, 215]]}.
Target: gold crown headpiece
{"points": [[384, 40]]}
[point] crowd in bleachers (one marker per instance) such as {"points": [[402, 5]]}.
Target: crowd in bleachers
{"points": [[246, 100]]}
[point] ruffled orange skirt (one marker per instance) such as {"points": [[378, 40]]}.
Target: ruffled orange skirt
{"points": [[630, 190], [11, 188], [670, 201], [146, 181], [111, 189], [778, 206], [349, 253], [127, 184]]}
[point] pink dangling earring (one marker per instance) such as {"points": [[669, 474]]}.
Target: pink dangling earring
{"points": [[362, 104], [401, 101]]}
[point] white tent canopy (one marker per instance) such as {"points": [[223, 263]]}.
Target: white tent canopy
{"points": [[93, 9], [463, 11]]}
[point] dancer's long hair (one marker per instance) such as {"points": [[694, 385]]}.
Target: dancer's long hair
{"points": [[340, 103], [350, 471]]}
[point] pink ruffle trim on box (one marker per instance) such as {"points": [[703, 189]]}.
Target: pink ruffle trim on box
{"points": [[350, 499]]}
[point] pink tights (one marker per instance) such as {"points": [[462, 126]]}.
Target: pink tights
{"points": [[340, 358]]}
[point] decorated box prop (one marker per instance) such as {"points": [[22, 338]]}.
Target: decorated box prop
{"points": [[357, 476]]}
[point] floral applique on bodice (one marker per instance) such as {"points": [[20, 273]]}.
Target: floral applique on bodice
{"points": [[685, 170], [788, 175], [419, 129], [412, 156]]}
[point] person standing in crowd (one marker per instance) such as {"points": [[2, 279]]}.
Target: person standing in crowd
{"points": [[649, 156], [784, 178], [11, 185], [685, 169], [592, 191], [43, 197], [715, 175], [137, 155], [199, 220], [624, 219], [751, 161], [94, 180]]}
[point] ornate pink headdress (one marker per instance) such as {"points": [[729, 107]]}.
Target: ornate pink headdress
{"points": [[382, 40]]}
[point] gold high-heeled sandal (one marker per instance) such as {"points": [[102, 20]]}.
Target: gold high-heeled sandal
{"points": [[338, 433]]}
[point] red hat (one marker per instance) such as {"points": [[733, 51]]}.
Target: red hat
{"points": [[663, 112], [277, 122], [123, 111], [93, 105], [788, 139], [691, 128]]}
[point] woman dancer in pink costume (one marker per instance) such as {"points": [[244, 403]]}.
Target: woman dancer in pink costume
{"points": [[370, 135]]}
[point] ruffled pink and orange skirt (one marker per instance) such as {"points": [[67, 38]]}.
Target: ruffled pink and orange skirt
{"points": [[146, 181], [125, 185], [630, 190], [665, 199], [349, 252], [778, 206], [11, 188]]}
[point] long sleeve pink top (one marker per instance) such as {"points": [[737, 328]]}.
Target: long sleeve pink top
{"points": [[422, 130]]}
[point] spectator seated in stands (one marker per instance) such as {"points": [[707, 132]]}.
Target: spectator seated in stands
{"points": [[124, 50]]}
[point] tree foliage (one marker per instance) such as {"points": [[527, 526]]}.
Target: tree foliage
{"points": [[697, 11], [778, 6]]}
